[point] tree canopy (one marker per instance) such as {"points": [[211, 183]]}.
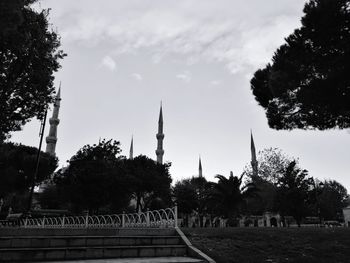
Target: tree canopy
{"points": [[17, 166], [99, 179], [308, 83], [331, 200], [29, 55], [95, 178], [229, 195], [185, 196], [149, 182], [271, 165], [293, 192]]}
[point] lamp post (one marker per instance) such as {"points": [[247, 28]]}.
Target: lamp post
{"points": [[41, 134]]}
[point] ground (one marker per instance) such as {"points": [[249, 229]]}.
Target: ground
{"points": [[311, 245]]}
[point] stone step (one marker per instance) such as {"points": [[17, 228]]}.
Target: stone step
{"points": [[135, 260], [87, 231], [70, 253], [86, 241]]}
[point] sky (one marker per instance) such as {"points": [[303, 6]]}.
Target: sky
{"points": [[197, 57]]}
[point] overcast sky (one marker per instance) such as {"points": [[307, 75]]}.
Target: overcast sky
{"points": [[198, 57]]}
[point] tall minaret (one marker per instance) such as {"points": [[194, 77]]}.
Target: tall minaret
{"points": [[131, 154], [51, 139], [254, 162], [160, 137], [200, 172]]}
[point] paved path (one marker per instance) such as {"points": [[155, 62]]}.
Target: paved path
{"points": [[134, 260]]}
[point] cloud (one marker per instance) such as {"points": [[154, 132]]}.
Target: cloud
{"points": [[185, 76], [240, 34], [137, 76], [109, 63], [215, 82]]}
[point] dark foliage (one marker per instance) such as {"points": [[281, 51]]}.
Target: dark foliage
{"points": [[192, 196], [293, 192], [17, 166], [95, 178], [99, 180], [228, 196], [265, 198], [332, 200], [185, 196], [308, 83], [29, 55], [149, 182]]}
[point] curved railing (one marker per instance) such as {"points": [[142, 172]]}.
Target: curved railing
{"points": [[153, 219]]}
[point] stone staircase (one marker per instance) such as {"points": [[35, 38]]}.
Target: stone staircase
{"points": [[29, 244]]}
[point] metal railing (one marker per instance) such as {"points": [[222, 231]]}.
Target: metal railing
{"points": [[162, 218]]}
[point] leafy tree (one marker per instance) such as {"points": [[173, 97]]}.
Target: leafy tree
{"points": [[293, 192], [203, 189], [192, 195], [50, 198], [17, 167], [29, 54], [272, 163], [265, 198], [332, 200], [228, 195], [95, 178], [150, 182], [307, 84], [185, 196]]}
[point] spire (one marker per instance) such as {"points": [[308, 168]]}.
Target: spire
{"points": [[252, 146], [160, 120], [254, 162], [131, 154], [160, 137], [51, 139], [200, 172], [58, 96]]}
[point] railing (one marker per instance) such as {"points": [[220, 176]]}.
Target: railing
{"points": [[162, 218]]}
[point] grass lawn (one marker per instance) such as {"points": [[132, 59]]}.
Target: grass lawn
{"points": [[244, 245]]}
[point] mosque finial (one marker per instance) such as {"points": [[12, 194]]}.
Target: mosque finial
{"points": [[160, 137]]}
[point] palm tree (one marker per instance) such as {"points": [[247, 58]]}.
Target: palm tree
{"points": [[228, 195], [294, 192]]}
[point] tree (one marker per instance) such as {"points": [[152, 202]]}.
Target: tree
{"points": [[192, 195], [150, 182], [307, 84], [332, 200], [293, 192], [29, 54], [95, 178], [50, 198], [272, 163], [185, 196], [17, 166], [228, 195], [265, 198]]}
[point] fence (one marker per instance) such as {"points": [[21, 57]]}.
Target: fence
{"points": [[162, 218]]}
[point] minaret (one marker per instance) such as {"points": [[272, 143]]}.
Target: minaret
{"points": [[254, 162], [160, 137], [131, 154], [200, 172], [51, 139]]}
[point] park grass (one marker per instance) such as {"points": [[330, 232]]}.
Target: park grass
{"points": [[246, 245]]}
